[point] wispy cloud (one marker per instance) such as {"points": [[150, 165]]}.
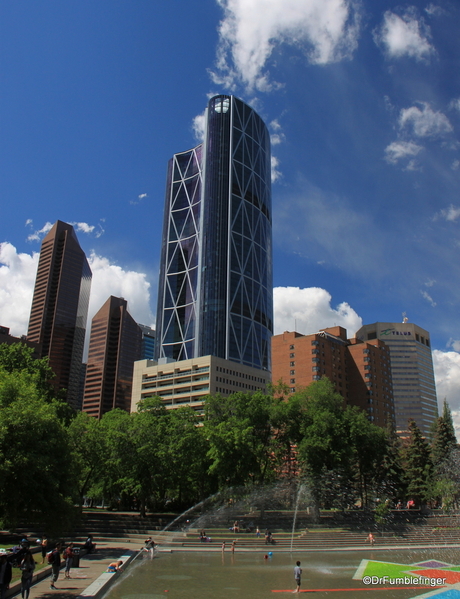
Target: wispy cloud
{"points": [[428, 298], [198, 126], [275, 172], [404, 35], [37, 235], [80, 227], [455, 104], [325, 30], [424, 122], [140, 197], [399, 150], [434, 10], [327, 228], [449, 214]]}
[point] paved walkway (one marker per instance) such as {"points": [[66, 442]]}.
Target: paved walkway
{"points": [[88, 581]]}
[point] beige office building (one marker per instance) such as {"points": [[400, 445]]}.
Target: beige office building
{"points": [[188, 382], [414, 388]]}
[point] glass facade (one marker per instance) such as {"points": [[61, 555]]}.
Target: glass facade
{"points": [[215, 291], [60, 307], [114, 346]]}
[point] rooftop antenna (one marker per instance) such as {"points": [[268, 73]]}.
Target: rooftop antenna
{"points": [[405, 319]]}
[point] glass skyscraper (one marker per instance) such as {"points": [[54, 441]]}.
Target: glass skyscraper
{"points": [[60, 307], [114, 346], [215, 289]]}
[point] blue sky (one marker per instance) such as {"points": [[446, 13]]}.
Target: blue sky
{"points": [[363, 103]]}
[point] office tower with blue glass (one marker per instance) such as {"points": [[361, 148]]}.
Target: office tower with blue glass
{"points": [[215, 288]]}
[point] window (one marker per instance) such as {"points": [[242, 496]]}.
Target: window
{"points": [[292, 372], [292, 355], [292, 381], [292, 364], [291, 347]]}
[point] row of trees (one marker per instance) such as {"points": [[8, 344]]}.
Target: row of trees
{"points": [[51, 458]]}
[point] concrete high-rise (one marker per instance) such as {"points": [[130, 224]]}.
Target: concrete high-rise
{"points": [[60, 307], [114, 346], [215, 290], [414, 388]]}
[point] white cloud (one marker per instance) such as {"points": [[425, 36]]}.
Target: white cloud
{"points": [[455, 165], [401, 149], [275, 173], [111, 279], [17, 280], [79, 227], [404, 35], [326, 30], [82, 227], [309, 310], [37, 235], [198, 126], [455, 104], [425, 122], [447, 375], [449, 214]]}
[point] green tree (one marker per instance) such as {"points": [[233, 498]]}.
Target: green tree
{"points": [[417, 465], [87, 442], [18, 357], [36, 466], [444, 439], [241, 438], [325, 449], [186, 453]]}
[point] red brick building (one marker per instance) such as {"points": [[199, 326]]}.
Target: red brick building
{"points": [[360, 371]]}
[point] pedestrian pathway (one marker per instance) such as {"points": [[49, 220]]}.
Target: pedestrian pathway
{"points": [[89, 581]]}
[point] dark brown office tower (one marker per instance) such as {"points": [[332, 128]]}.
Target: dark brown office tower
{"points": [[114, 346], [60, 307]]}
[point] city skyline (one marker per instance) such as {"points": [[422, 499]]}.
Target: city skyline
{"points": [[363, 107]]}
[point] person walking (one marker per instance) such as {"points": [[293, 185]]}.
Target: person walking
{"points": [[55, 561], [27, 568], [297, 576]]}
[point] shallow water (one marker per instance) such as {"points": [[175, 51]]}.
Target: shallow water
{"points": [[250, 576]]}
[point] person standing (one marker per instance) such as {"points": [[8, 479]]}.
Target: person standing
{"points": [[44, 546], [297, 576], [27, 568], [55, 561], [6, 573], [68, 556]]}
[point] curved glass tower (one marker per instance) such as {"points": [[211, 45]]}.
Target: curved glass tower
{"points": [[215, 289]]}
